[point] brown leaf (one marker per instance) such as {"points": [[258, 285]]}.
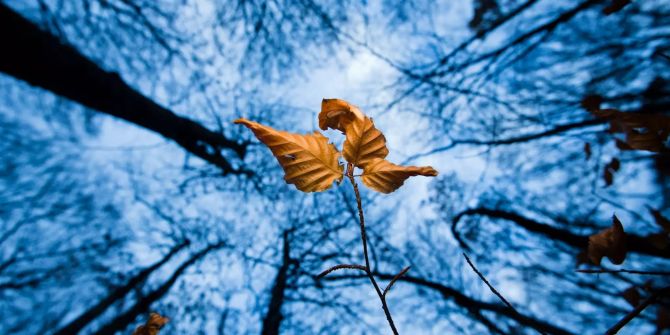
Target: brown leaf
{"points": [[643, 131], [615, 6], [337, 114], [309, 161], [610, 243], [153, 325], [364, 143], [650, 140], [661, 220], [386, 177], [631, 295]]}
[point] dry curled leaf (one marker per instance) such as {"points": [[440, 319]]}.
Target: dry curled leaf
{"points": [[337, 114], [386, 177], [631, 295], [643, 131], [153, 325], [364, 143], [610, 243], [309, 161]]}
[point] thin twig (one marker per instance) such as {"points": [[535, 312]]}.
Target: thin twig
{"points": [[368, 271], [493, 289], [637, 310], [339, 267], [395, 279], [637, 272]]}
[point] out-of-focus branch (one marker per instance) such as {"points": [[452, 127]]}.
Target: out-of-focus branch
{"points": [[39, 58], [635, 243]]}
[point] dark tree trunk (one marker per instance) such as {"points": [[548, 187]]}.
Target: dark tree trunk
{"points": [[117, 294], [40, 59], [143, 303], [273, 317]]}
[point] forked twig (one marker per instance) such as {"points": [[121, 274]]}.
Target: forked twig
{"points": [[367, 269], [395, 279], [364, 240], [493, 289]]}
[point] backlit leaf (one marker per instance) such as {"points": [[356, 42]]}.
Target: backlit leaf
{"points": [[309, 161], [337, 114], [364, 143], [386, 177], [610, 243], [153, 325]]}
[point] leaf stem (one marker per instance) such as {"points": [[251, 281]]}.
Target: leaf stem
{"points": [[368, 271]]}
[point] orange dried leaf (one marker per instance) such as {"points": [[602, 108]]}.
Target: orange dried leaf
{"points": [[364, 143], [337, 114], [309, 161], [153, 325], [610, 243], [386, 177]]}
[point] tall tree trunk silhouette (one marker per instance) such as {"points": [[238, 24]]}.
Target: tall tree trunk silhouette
{"points": [[273, 317], [143, 303], [114, 296], [40, 59]]}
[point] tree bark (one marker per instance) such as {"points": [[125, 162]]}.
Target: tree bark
{"points": [[40, 59]]}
